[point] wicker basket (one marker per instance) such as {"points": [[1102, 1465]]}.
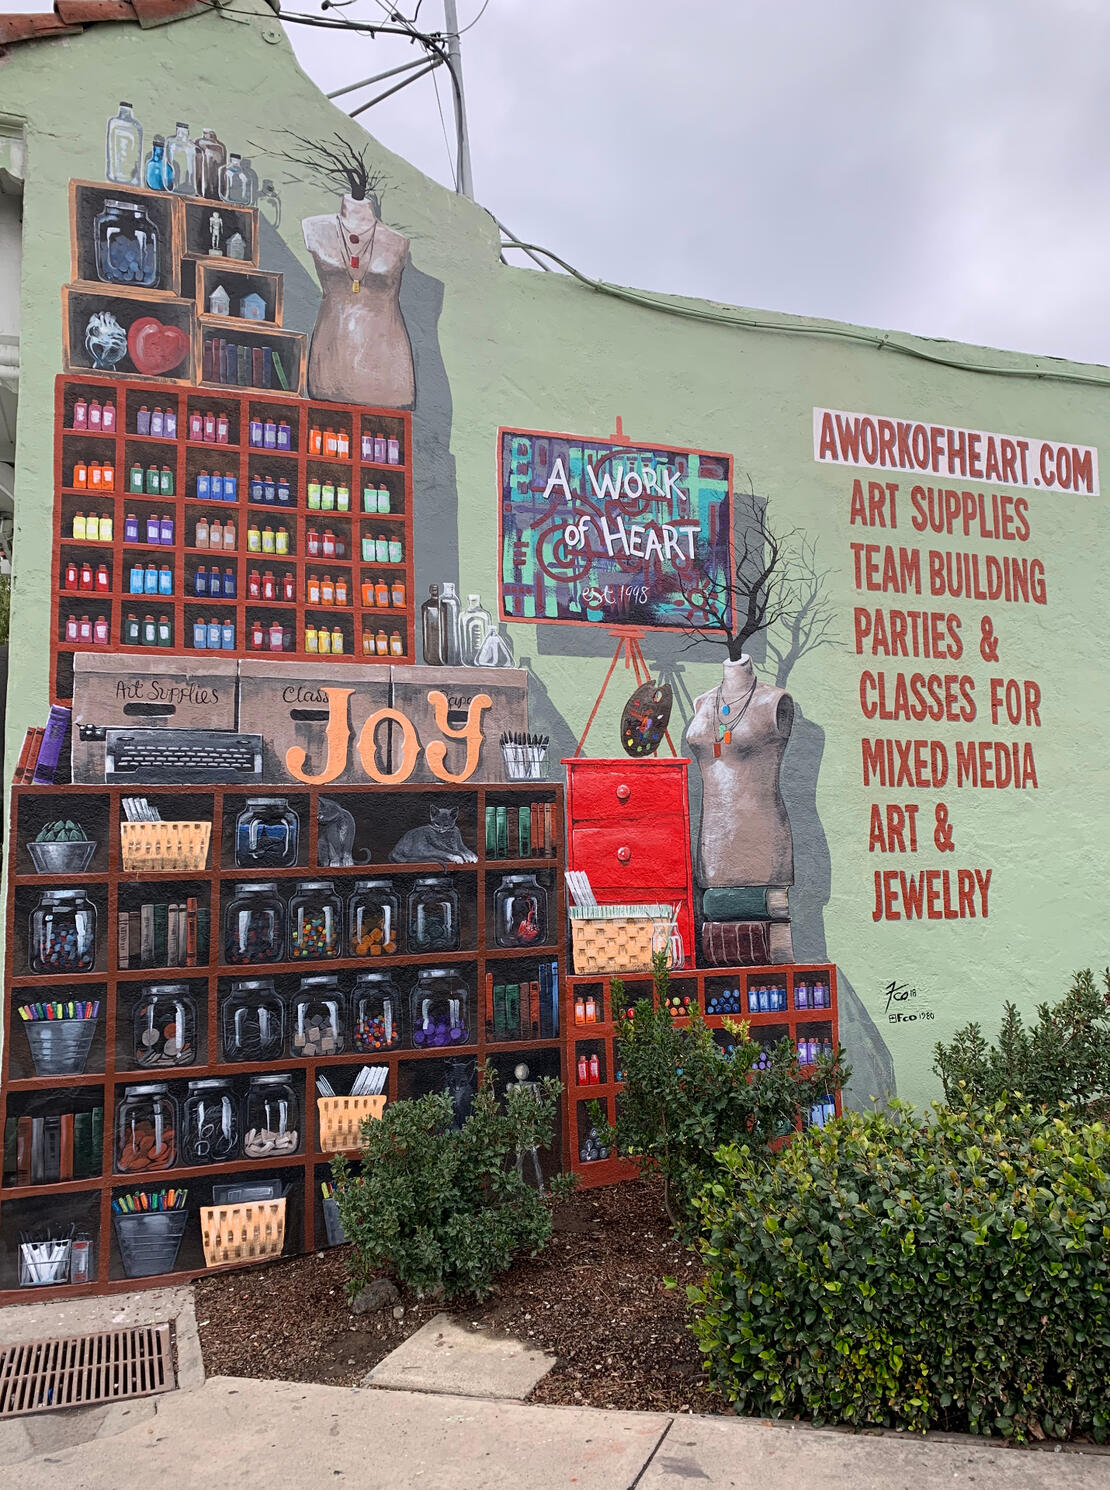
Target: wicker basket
{"points": [[164, 846], [341, 1118], [242, 1233], [608, 943]]}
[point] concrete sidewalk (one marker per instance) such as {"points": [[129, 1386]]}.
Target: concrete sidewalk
{"points": [[233, 1433]]}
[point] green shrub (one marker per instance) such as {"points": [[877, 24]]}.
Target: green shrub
{"points": [[684, 1097], [443, 1208], [951, 1271], [1063, 1057]]}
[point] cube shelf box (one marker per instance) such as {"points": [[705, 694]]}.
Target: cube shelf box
{"points": [[720, 994], [120, 1055], [291, 596]]}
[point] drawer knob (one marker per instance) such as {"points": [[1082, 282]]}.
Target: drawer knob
{"points": [[624, 791], [624, 854]]}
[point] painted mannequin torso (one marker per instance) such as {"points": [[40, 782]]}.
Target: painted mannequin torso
{"points": [[360, 351], [745, 833]]}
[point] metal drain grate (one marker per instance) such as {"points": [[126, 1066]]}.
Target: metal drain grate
{"points": [[110, 1366]]}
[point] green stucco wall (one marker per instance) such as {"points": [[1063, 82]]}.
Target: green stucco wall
{"points": [[531, 351]]}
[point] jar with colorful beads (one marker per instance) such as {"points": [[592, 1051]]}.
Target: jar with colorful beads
{"points": [[315, 921], [63, 933], [254, 924], [439, 1009], [373, 919], [376, 1022]]}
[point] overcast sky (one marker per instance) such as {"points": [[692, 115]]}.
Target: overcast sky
{"points": [[939, 167]]}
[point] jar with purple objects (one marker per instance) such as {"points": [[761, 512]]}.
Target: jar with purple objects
{"points": [[254, 924], [439, 1009], [63, 933]]}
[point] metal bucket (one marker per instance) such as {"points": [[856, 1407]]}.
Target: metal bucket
{"points": [[149, 1241], [60, 1047]]}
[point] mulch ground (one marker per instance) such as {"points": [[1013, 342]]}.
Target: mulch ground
{"points": [[595, 1298]]}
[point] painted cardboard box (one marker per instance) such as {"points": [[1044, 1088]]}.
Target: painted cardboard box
{"points": [[311, 718], [160, 692], [459, 734]]}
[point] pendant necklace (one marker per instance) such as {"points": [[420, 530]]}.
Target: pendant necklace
{"points": [[729, 714], [352, 259]]}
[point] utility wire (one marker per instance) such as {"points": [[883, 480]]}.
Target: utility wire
{"points": [[470, 26], [446, 141]]}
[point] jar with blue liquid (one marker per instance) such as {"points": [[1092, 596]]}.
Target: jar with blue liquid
{"points": [[267, 834]]}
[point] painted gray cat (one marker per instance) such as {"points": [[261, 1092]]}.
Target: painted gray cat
{"points": [[438, 842]]}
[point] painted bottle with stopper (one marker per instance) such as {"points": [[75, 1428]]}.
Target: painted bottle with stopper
{"points": [[182, 156], [125, 148], [475, 625]]}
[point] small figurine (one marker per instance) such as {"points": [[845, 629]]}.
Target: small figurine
{"points": [[236, 246], [215, 233], [219, 302], [105, 340], [252, 308]]}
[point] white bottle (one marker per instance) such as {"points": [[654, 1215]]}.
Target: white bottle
{"points": [[475, 625], [125, 148], [182, 156], [449, 615]]}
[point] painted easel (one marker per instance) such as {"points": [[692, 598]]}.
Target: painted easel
{"points": [[628, 648]]}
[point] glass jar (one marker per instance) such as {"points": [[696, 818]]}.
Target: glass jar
{"points": [[373, 919], [317, 1020], [209, 1122], [146, 1130], [63, 933], [315, 921], [252, 1022], [439, 1009], [271, 1117], [236, 186], [520, 912], [165, 1026], [254, 924], [126, 243], [376, 1022], [433, 916], [267, 834]]}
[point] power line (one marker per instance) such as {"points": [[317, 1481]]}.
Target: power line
{"points": [[443, 127], [475, 21]]}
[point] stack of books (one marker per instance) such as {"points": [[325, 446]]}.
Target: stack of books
{"points": [[164, 934], [241, 366], [526, 831], [47, 1150], [746, 925], [41, 754], [521, 1009]]}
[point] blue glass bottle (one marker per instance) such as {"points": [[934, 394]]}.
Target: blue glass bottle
{"points": [[159, 172]]}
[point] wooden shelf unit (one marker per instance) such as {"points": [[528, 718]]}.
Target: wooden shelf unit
{"points": [[381, 814], [699, 985], [186, 459]]}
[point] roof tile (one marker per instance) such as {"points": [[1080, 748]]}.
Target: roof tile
{"points": [[29, 28], [71, 15], [87, 12]]}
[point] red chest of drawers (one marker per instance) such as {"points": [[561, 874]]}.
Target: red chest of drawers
{"points": [[628, 828]]}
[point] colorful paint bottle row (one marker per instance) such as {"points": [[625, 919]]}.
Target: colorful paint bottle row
{"points": [[150, 579], [322, 589], [588, 1070], [266, 586], [90, 632], [267, 540], [155, 481], [380, 548], [96, 417], [269, 636], [162, 423], [767, 998], [220, 486], [156, 530], [213, 582], [383, 594], [217, 634], [210, 427], [84, 577], [93, 475], [93, 527], [809, 1050], [326, 640], [585, 1009], [324, 545], [145, 631], [380, 644], [214, 534], [270, 434], [383, 450], [812, 996], [375, 499], [327, 496], [330, 444], [271, 491]]}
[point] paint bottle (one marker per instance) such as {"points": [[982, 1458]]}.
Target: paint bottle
{"points": [[200, 534], [340, 589], [281, 541], [381, 448], [393, 450], [142, 420], [80, 475], [229, 583], [200, 581], [327, 497], [397, 594], [342, 499], [157, 422], [85, 580], [150, 631], [269, 434], [310, 639], [342, 444], [100, 631], [254, 540], [165, 631], [223, 429], [196, 425], [108, 417], [215, 534], [396, 644], [288, 588], [135, 478], [284, 435], [150, 579], [84, 629], [213, 634], [323, 640], [171, 421], [312, 542], [381, 643], [277, 638], [130, 528], [165, 483], [71, 627], [70, 582], [336, 642], [268, 590], [381, 594], [215, 587], [268, 545], [80, 414], [331, 447], [165, 530], [256, 635], [132, 632], [315, 440], [327, 590], [229, 533], [227, 635]]}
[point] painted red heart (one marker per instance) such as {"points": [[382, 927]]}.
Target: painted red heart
{"points": [[156, 348]]}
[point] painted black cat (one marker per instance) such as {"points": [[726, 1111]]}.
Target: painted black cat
{"points": [[438, 842]]}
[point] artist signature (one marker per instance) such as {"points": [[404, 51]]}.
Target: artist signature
{"points": [[900, 993]]}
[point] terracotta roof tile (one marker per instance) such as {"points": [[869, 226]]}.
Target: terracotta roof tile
{"points": [[71, 15]]}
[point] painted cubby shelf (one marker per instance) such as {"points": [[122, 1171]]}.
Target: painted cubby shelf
{"points": [[118, 1056], [736, 991], [363, 620]]}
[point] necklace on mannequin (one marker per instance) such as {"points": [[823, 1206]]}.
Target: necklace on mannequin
{"points": [[352, 259], [729, 713]]}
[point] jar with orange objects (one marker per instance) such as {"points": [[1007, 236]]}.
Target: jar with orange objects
{"points": [[146, 1130], [373, 919]]}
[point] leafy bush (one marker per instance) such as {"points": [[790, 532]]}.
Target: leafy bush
{"points": [[951, 1271], [684, 1097], [443, 1207], [1063, 1057]]}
